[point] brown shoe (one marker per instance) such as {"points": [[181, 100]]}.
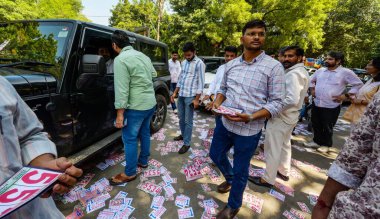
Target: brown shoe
{"points": [[224, 187], [142, 166], [283, 177], [121, 178], [227, 213]]}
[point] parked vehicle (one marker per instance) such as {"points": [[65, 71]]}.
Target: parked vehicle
{"points": [[54, 66]]}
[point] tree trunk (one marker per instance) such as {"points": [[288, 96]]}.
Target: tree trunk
{"points": [[160, 6]]}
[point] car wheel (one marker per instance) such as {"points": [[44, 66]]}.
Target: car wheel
{"points": [[159, 115]]}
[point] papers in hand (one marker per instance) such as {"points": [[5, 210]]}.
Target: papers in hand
{"points": [[227, 111]]}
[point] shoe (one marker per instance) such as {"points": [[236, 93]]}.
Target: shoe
{"points": [[227, 213], [175, 111], [258, 181], [323, 149], [143, 166], [283, 177], [121, 178], [224, 187], [311, 144], [184, 149], [178, 138]]}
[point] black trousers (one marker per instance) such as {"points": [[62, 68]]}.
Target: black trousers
{"points": [[323, 121]]}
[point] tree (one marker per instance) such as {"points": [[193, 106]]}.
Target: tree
{"points": [[130, 15], [17, 10], [295, 22], [354, 29], [32, 9]]}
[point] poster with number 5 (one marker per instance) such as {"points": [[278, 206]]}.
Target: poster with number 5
{"points": [[27, 184]]}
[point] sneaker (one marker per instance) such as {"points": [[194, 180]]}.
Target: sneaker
{"points": [[178, 138], [334, 150], [184, 149], [175, 111], [311, 144], [323, 149]]}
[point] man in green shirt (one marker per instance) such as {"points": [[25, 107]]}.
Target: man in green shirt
{"points": [[135, 103]]}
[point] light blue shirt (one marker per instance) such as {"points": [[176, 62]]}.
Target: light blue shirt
{"points": [[215, 84], [192, 78]]}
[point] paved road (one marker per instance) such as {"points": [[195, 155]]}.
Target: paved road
{"points": [[309, 174]]}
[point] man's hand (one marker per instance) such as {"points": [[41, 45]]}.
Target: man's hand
{"points": [[320, 212], [205, 98], [210, 105], [339, 99], [240, 117], [172, 97], [196, 103], [119, 121], [67, 179]]}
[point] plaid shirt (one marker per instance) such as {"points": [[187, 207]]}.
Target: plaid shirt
{"points": [[252, 86], [192, 78], [22, 140]]}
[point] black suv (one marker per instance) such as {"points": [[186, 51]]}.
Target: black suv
{"points": [[55, 67]]}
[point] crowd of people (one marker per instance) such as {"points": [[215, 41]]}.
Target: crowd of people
{"points": [[267, 92]]}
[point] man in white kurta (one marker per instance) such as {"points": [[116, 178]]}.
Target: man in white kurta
{"points": [[277, 146]]}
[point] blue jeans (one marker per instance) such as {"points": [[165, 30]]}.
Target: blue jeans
{"points": [[185, 114], [138, 127], [172, 88], [244, 148]]}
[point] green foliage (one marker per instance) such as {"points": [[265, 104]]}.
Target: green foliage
{"points": [[32, 9], [130, 15], [353, 28]]}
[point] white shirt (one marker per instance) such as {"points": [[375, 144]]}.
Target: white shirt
{"points": [[215, 84], [175, 70], [333, 83], [296, 85], [109, 65]]}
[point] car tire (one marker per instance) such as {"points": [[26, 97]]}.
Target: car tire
{"points": [[159, 116]]}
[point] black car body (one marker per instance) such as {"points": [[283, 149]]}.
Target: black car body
{"points": [[54, 66]]}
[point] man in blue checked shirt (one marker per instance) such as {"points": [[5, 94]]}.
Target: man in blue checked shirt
{"points": [[255, 84], [189, 87]]}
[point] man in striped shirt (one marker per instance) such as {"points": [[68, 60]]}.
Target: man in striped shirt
{"points": [[189, 87], [253, 83]]}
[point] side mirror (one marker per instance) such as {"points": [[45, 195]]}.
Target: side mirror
{"points": [[93, 64]]}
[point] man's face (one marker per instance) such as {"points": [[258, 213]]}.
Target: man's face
{"points": [[253, 38], [174, 56], [189, 55], [228, 56], [331, 62], [291, 58], [105, 53]]}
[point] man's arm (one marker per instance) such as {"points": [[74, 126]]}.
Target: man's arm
{"points": [[293, 87], [121, 81], [353, 80], [201, 83], [276, 91], [36, 148]]}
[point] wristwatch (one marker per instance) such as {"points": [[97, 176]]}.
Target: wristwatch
{"points": [[251, 118]]}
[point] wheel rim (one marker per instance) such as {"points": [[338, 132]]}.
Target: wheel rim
{"points": [[158, 116]]}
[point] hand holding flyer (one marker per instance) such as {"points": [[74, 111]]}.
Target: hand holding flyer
{"points": [[227, 111], [24, 186]]}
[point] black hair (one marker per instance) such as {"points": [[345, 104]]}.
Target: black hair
{"points": [[254, 23], [120, 38], [337, 56], [174, 52], [189, 46], [231, 49], [299, 50], [376, 64], [282, 50]]}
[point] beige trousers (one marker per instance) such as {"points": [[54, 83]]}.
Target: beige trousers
{"points": [[277, 149]]}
